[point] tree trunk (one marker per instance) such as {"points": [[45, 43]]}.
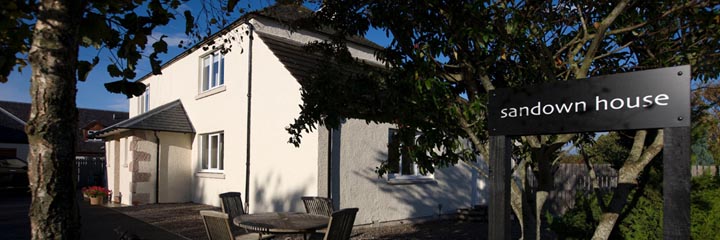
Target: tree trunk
{"points": [[628, 174], [53, 121]]}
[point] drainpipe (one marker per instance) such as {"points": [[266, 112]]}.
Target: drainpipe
{"points": [[157, 168], [329, 163], [249, 100]]}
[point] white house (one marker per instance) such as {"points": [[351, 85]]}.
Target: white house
{"points": [[213, 123]]}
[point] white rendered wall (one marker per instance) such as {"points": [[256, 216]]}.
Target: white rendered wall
{"points": [[280, 172], [362, 147]]}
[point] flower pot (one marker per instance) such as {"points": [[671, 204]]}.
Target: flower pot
{"points": [[96, 200]]}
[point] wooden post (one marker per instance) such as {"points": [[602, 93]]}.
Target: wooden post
{"points": [[676, 183], [499, 209]]}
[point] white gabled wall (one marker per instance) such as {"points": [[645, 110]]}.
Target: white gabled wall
{"points": [[280, 173]]}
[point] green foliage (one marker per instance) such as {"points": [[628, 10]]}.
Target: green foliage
{"points": [[705, 208], [642, 218], [578, 222], [445, 57], [612, 148]]}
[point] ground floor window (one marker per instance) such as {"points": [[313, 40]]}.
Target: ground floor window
{"points": [[211, 151], [400, 164]]}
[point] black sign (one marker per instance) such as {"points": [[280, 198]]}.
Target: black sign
{"points": [[657, 98]]}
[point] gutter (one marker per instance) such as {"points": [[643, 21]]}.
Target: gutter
{"points": [[251, 30], [12, 116]]}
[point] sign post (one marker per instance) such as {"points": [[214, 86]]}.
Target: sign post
{"points": [[651, 99]]}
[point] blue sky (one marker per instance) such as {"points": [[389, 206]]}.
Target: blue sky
{"points": [[92, 93]]}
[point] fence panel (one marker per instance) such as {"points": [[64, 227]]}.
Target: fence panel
{"points": [[91, 171]]}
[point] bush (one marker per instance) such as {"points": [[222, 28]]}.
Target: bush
{"points": [[705, 207], [644, 221]]}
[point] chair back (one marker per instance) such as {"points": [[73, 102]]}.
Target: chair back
{"points": [[217, 225], [318, 205], [232, 204], [341, 224]]}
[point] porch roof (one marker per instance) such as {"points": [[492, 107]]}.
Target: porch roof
{"points": [[170, 117]]}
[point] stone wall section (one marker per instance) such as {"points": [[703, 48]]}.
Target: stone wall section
{"points": [[142, 167]]}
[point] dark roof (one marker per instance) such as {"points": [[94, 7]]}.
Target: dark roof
{"points": [[283, 13], [170, 117], [13, 131], [297, 60], [292, 55]]}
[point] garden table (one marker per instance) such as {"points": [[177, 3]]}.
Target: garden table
{"points": [[281, 222]]}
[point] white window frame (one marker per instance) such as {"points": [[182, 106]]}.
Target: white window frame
{"points": [[144, 101], [205, 152], [399, 175], [212, 76]]}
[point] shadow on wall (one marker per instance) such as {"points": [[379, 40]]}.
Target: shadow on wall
{"points": [[453, 188], [288, 200]]}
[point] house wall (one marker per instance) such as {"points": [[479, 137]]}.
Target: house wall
{"points": [[280, 172], [175, 162], [358, 148], [21, 150]]}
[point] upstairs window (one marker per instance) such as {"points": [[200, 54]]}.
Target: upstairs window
{"points": [[400, 159], [213, 71], [211, 151], [144, 101]]}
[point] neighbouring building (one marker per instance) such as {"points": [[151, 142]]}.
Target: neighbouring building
{"points": [[14, 141], [214, 122]]}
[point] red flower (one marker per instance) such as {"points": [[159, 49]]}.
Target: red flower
{"points": [[96, 191]]}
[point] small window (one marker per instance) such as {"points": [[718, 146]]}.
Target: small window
{"points": [[211, 151], [400, 164], [213, 71], [144, 101], [89, 134]]}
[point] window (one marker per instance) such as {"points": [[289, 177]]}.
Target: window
{"points": [[400, 162], [213, 71], [211, 151], [144, 101], [90, 133]]}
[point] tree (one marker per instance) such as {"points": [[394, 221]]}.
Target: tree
{"points": [[447, 56], [51, 34]]}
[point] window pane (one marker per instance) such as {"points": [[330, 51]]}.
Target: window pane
{"points": [[204, 151], [222, 69], [214, 151], [147, 99], [216, 70], [393, 152], [222, 152], [206, 74]]}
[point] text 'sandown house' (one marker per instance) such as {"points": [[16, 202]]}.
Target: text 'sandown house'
{"points": [[636, 100]]}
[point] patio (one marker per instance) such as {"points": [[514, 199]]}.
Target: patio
{"points": [[184, 219]]}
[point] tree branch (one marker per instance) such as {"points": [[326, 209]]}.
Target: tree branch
{"points": [[597, 40]]}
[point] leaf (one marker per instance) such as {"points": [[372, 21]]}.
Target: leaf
{"points": [[84, 68], [189, 20], [231, 5], [160, 46], [126, 87], [113, 70]]}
